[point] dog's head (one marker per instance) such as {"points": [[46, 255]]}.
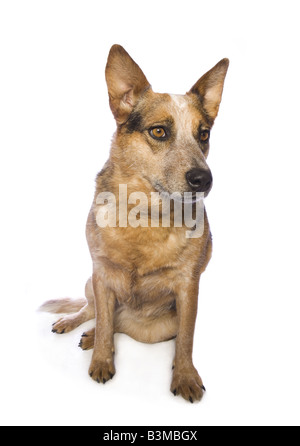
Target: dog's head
{"points": [[163, 138]]}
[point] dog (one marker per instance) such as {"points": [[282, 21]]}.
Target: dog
{"points": [[145, 279]]}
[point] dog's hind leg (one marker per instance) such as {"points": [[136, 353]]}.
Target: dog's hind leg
{"points": [[142, 329], [84, 310]]}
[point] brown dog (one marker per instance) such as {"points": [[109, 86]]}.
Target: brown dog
{"points": [[145, 277]]}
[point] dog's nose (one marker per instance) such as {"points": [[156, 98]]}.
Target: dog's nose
{"points": [[199, 180]]}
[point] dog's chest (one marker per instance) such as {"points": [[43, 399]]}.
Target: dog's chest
{"points": [[146, 250], [141, 264], [141, 268]]}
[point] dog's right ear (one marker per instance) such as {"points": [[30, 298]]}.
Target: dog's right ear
{"points": [[125, 82]]}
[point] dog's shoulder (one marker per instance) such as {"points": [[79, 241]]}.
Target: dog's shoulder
{"points": [[104, 176]]}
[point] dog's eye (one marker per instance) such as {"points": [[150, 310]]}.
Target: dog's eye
{"points": [[158, 133], [204, 135]]}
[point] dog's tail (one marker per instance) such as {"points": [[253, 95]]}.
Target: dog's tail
{"points": [[65, 305]]}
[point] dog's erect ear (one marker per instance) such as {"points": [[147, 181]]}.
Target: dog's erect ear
{"points": [[210, 87], [125, 82]]}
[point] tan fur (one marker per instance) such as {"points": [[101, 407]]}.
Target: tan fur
{"points": [[145, 280]]}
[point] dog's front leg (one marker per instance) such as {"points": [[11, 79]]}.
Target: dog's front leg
{"points": [[186, 380], [102, 366]]}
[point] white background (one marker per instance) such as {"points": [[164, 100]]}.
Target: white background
{"points": [[55, 135]]}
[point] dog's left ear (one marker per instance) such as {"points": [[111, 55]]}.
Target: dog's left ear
{"points": [[125, 82], [210, 87]]}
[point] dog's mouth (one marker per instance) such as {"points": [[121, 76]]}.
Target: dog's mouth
{"points": [[185, 197]]}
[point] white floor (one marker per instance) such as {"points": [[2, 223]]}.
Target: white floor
{"points": [[245, 350]]}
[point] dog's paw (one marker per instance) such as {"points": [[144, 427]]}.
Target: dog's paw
{"points": [[87, 340], [188, 384], [65, 325], [102, 370]]}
